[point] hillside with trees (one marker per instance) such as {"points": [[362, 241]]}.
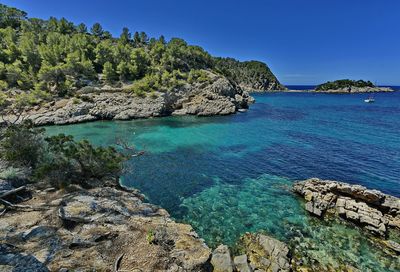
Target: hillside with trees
{"points": [[54, 58], [250, 75]]}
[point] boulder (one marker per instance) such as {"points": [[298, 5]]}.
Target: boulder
{"points": [[241, 264], [221, 259], [265, 253]]}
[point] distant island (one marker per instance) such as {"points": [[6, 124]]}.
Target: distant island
{"points": [[350, 86]]}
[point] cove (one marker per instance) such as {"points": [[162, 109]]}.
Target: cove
{"points": [[231, 174]]}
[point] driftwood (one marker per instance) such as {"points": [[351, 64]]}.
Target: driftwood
{"points": [[117, 262], [13, 191], [12, 206]]}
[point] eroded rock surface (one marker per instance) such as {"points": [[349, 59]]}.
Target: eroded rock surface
{"points": [[265, 253], [222, 260], [218, 96], [94, 230], [370, 209]]}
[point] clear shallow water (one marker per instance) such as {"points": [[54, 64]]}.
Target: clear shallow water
{"points": [[228, 175]]}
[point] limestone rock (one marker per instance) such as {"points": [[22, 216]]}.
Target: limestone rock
{"points": [[242, 264], [218, 96], [89, 229], [12, 260], [370, 209], [266, 253], [221, 259]]}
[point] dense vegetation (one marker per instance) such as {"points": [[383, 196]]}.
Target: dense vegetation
{"points": [[56, 57], [343, 84], [251, 73], [58, 160]]}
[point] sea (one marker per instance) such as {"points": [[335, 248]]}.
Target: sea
{"points": [[228, 175]]}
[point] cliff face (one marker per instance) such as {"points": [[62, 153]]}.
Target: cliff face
{"points": [[217, 96]]}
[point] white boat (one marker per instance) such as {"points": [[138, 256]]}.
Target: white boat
{"points": [[369, 100], [242, 110]]}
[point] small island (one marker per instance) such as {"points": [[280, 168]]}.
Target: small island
{"points": [[350, 86]]}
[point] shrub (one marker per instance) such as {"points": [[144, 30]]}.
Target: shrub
{"points": [[22, 145], [59, 160], [198, 76], [12, 173]]}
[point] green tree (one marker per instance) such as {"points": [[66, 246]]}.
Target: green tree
{"points": [[97, 30], [82, 28], [11, 17], [125, 36], [109, 72]]}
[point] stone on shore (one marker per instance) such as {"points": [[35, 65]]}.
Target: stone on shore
{"points": [[265, 253], [221, 259], [370, 209]]}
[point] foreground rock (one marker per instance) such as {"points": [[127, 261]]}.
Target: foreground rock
{"points": [[357, 90], [217, 96], [97, 230], [259, 253], [370, 209], [265, 253]]}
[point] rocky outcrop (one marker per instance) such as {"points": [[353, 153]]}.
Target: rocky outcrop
{"points": [[100, 229], [221, 259], [370, 209], [217, 96], [260, 253], [357, 90], [265, 253]]}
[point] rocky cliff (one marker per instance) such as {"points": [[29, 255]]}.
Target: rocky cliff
{"points": [[217, 96], [104, 229]]}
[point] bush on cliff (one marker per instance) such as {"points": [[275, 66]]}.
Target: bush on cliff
{"points": [[59, 160]]}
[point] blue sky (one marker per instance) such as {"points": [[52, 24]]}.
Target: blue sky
{"points": [[303, 41]]}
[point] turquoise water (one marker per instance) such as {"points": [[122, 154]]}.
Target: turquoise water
{"points": [[232, 174]]}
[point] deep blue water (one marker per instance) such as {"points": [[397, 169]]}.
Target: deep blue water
{"points": [[232, 174], [301, 87]]}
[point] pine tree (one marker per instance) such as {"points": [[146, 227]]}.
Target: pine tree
{"points": [[125, 37], [97, 30], [109, 72]]}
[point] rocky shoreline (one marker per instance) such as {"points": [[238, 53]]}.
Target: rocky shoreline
{"points": [[96, 229], [372, 210], [217, 96], [357, 90], [113, 229]]}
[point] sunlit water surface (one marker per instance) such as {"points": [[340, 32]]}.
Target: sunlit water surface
{"points": [[232, 174]]}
